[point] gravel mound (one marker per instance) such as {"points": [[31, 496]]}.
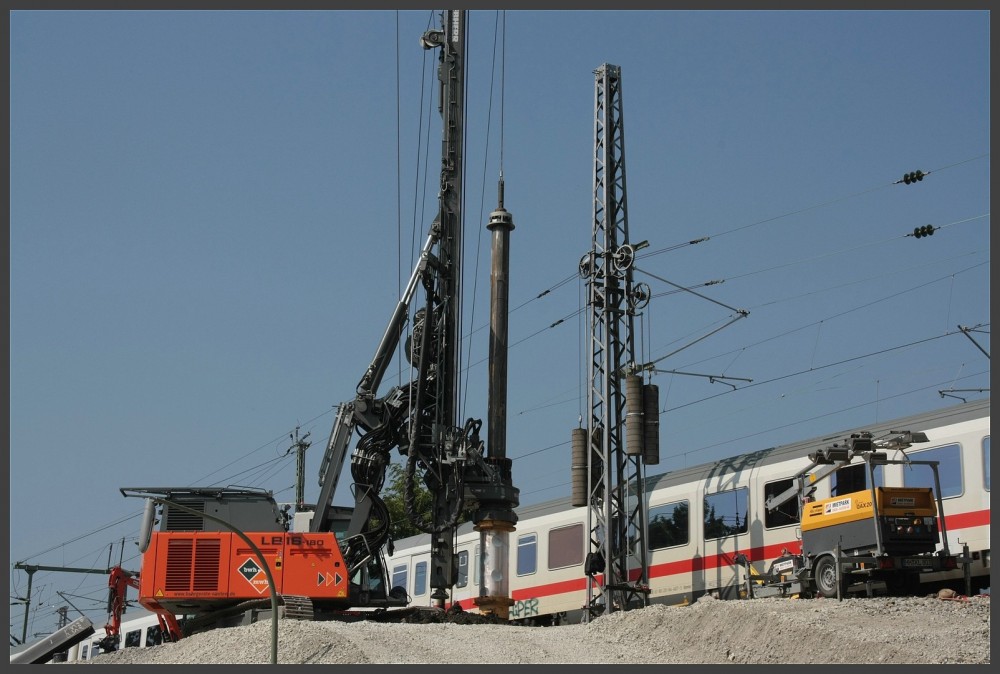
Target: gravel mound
{"points": [[921, 630]]}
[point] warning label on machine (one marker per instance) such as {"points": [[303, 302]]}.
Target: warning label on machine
{"points": [[254, 575]]}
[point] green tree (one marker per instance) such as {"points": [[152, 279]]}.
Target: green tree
{"points": [[394, 495]]}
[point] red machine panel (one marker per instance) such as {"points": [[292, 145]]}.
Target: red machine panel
{"points": [[314, 567], [183, 571]]}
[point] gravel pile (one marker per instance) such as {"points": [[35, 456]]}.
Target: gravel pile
{"points": [[923, 630]]}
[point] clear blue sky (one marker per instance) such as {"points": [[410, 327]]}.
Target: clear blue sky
{"points": [[206, 211]]}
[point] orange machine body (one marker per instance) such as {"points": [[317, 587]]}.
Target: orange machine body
{"points": [[192, 571]]}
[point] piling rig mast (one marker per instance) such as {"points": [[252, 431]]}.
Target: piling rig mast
{"points": [[420, 418], [616, 566]]}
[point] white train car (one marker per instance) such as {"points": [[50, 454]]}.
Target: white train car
{"points": [[136, 633], [701, 518]]}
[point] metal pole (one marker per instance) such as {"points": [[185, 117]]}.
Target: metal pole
{"points": [[260, 557], [840, 583], [495, 529], [27, 605], [967, 565], [31, 568]]}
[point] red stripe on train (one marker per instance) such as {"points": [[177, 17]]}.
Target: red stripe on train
{"points": [[574, 585], [975, 518], [954, 522]]}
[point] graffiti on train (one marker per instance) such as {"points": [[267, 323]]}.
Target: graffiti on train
{"points": [[524, 608]]}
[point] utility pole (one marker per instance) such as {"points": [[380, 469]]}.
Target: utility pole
{"points": [[613, 491], [300, 445], [32, 568]]}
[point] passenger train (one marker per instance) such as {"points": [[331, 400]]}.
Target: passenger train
{"points": [[687, 558]]}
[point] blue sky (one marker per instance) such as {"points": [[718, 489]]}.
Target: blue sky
{"points": [[211, 214]]}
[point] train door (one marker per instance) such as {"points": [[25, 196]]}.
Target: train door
{"points": [[93, 649], [725, 531], [671, 547], [464, 590], [963, 484], [399, 573], [419, 588], [773, 532], [523, 567]]}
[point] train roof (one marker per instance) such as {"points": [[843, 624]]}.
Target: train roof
{"points": [[967, 411], [975, 409]]}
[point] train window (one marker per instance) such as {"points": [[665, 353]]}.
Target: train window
{"points": [[726, 513], [133, 639], [420, 578], [399, 575], [949, 460], [786, 513], [463, 569], [986, 462], [527, 554], [669, 525], [566, 546], [154, 636], [854, 478], [83, 652]]}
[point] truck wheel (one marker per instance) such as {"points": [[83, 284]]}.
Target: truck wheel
{"points": [[825, 575]]}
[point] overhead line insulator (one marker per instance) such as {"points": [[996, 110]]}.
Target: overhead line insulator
{"points": [[912, 177]]}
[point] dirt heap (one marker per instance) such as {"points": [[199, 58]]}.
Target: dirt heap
{"points": [[925, 630]]}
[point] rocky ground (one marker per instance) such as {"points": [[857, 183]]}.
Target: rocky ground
{"points": [[924, 630]]}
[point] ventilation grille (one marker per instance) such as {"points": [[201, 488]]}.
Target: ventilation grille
{"points": [[206, 565], [193, 565], [180, 558], [179, 520]]}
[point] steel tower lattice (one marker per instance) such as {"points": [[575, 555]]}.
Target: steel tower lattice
{"points": [[616, 566]]}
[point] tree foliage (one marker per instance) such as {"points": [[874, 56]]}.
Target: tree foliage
{"points": [[394, 495]]}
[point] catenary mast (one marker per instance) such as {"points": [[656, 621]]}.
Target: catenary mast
{"points": [[607, 474]]}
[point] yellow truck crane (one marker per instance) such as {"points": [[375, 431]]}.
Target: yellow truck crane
{"points": [[879, 534]]}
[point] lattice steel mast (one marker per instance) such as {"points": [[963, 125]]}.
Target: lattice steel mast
{"points": [[616, 566]]}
